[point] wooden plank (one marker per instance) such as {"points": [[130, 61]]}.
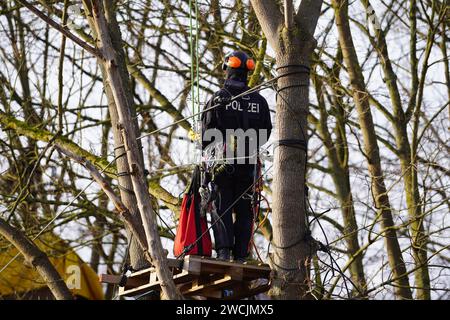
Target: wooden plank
{"points": [[155, 285], [213, 285], [115, 279], [204, 260], [142, 272], [139, 278], [109, 278], [198, 265], [192, 266], [153, 278], [201, 276], [183, 277], [236, 273], [199, 280], [137, 290]]}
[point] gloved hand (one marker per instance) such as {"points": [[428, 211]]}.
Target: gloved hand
{"points": [[222, 99]]}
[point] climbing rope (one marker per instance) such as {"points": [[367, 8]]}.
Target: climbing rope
{"points": [[195, 75]]}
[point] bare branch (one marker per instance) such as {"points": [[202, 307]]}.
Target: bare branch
{"points": [[270, 18], [121, 208], [308, 15], [38, 259], [63, 29], [288, 14]]}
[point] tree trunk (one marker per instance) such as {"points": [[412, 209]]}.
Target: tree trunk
{"points": [[137, 256], [119, 88], [291, 250], [372, 152], [293, 47], [38, 260]]}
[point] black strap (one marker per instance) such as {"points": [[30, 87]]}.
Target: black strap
{"points": [[125, 189], [194, 184], [306, 69], [195, 198], [198, 225], [301, 68], [298, 85], [292, 143]]}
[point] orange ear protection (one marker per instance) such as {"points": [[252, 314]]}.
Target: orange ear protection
{"points": [[238, 60]]}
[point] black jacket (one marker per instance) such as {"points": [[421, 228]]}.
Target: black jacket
{"points": [[247, 112]]}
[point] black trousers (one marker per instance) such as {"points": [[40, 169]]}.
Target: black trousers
{"points": [[230, 188]]}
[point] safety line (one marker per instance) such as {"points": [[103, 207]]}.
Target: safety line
{"points": [[191, 49]]}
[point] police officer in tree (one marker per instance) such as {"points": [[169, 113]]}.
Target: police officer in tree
{"points": [[233, 178]]}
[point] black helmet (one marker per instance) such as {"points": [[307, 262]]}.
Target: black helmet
{"points": [[238, 60], [237, 65]]}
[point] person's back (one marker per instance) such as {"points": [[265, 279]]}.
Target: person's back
{"points": [[244, 122], [235, 125]]}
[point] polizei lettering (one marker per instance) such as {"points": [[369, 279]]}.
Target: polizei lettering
{"points": [[235, 105]]}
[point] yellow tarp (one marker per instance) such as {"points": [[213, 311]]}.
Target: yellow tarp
{"points": [[20, 277]]}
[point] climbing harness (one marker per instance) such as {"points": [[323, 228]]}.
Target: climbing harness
{"points": [[188, 248]]}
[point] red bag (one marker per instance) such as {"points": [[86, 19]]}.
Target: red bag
{"points": [[192, 227]]}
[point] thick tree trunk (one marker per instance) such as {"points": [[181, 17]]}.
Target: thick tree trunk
{"points": [[291, 248], [372, 152], [37, 259], [291, 238]]}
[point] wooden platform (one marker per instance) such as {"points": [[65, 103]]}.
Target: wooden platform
{"points": [[199, 278]]}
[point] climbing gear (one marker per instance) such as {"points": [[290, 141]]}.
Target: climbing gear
{"points": [[255, 197], [215, 165], [209, 195], [205, 195], [192, 226], [193, 135], [238, 60]]}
